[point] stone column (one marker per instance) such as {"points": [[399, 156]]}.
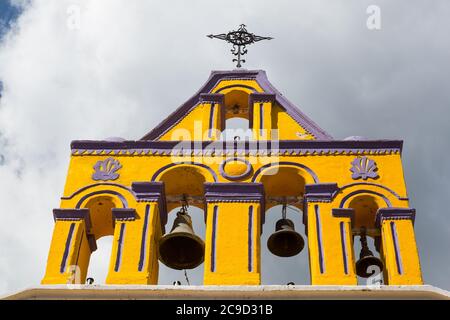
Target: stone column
{"points": [[134, 256], [398, 246], [330, 243], [260, 106], [70, 248], [232, 251]]}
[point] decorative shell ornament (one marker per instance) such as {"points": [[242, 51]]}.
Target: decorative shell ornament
{"points": [[106, 170], [363, 167]]}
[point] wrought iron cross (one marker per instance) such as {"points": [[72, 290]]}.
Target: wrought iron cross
{"points": [[239, 39]]}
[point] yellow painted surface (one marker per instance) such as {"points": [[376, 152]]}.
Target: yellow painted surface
{"points": [[187, 175]]}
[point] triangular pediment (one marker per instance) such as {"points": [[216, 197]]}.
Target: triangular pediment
{"points": [[238, 87]]}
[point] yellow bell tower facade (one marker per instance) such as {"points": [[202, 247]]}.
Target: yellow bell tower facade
{"points": [[344, 189]]}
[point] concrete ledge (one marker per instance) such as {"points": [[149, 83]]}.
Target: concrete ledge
{"points": [[93, 292]]}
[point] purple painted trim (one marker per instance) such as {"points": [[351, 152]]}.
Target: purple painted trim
{"points": [[238, 177], [250, 238], [288, 163], [261, 97], [120, 196], [261, 78], [261, 119], [398, 258], [67, 248], [344, 213], [288, 147], [373, 184], [95, 185], [211, 120], [123, 214], [73, 215], [160, 170], [320, 191], [344, 247], [119, 247], [142, 255], [214, 237], [319, 239], [92, 242], [212, 98], [351, 194], [155, 192], [394, 214]]}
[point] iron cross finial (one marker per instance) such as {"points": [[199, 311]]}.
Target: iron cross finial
{"points": [[239, 39]]}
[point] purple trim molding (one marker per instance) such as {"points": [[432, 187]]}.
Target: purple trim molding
{"points": [[152, 192], [92, 242], [238, 177], [261, 119], [73, 215], [160, 170], [398, 258], [394, 214], [67, 248], [344, 246], [120, 196], [212, 98], [351, 194], [143, 255], [261, 97], [95, 185], [211, 120], [285, 163], [344, 213], [219, 148], [319, 239], [214, 237], [261, 79], [375, 185], [119, 247], [250, 238], [123, 214], [320, 191]]}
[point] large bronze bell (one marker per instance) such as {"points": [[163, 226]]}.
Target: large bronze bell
{"points": [[366, 258], [285, 241], [181, 248]]}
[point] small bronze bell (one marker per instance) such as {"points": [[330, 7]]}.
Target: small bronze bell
{"points": [[181, 248], [285, 241], [366, 258]]}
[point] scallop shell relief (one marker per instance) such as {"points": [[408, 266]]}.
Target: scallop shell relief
{"points": [[106, 170], [364, 168]]}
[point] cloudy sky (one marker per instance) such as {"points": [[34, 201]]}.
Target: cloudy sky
{"points": [[95, 69]]}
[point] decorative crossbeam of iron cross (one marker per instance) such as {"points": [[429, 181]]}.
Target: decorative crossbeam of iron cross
{"points": [[239, 39]]}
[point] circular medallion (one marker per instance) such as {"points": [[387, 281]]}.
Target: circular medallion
{"points": [[235, 168]]}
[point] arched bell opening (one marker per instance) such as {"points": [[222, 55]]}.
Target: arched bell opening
{"points": [[237, 116], [276, 270], [283, 241], [367, 239], [182, 247], [170, 276], [100, 212]]}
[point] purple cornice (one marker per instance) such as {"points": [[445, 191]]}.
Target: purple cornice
{"points": [[212, 97], [394, 214], [282, 147], [152, 191], [261, 97], [123, 214], [320, 191], [258, 75], [344, 213], [73, 215]]}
